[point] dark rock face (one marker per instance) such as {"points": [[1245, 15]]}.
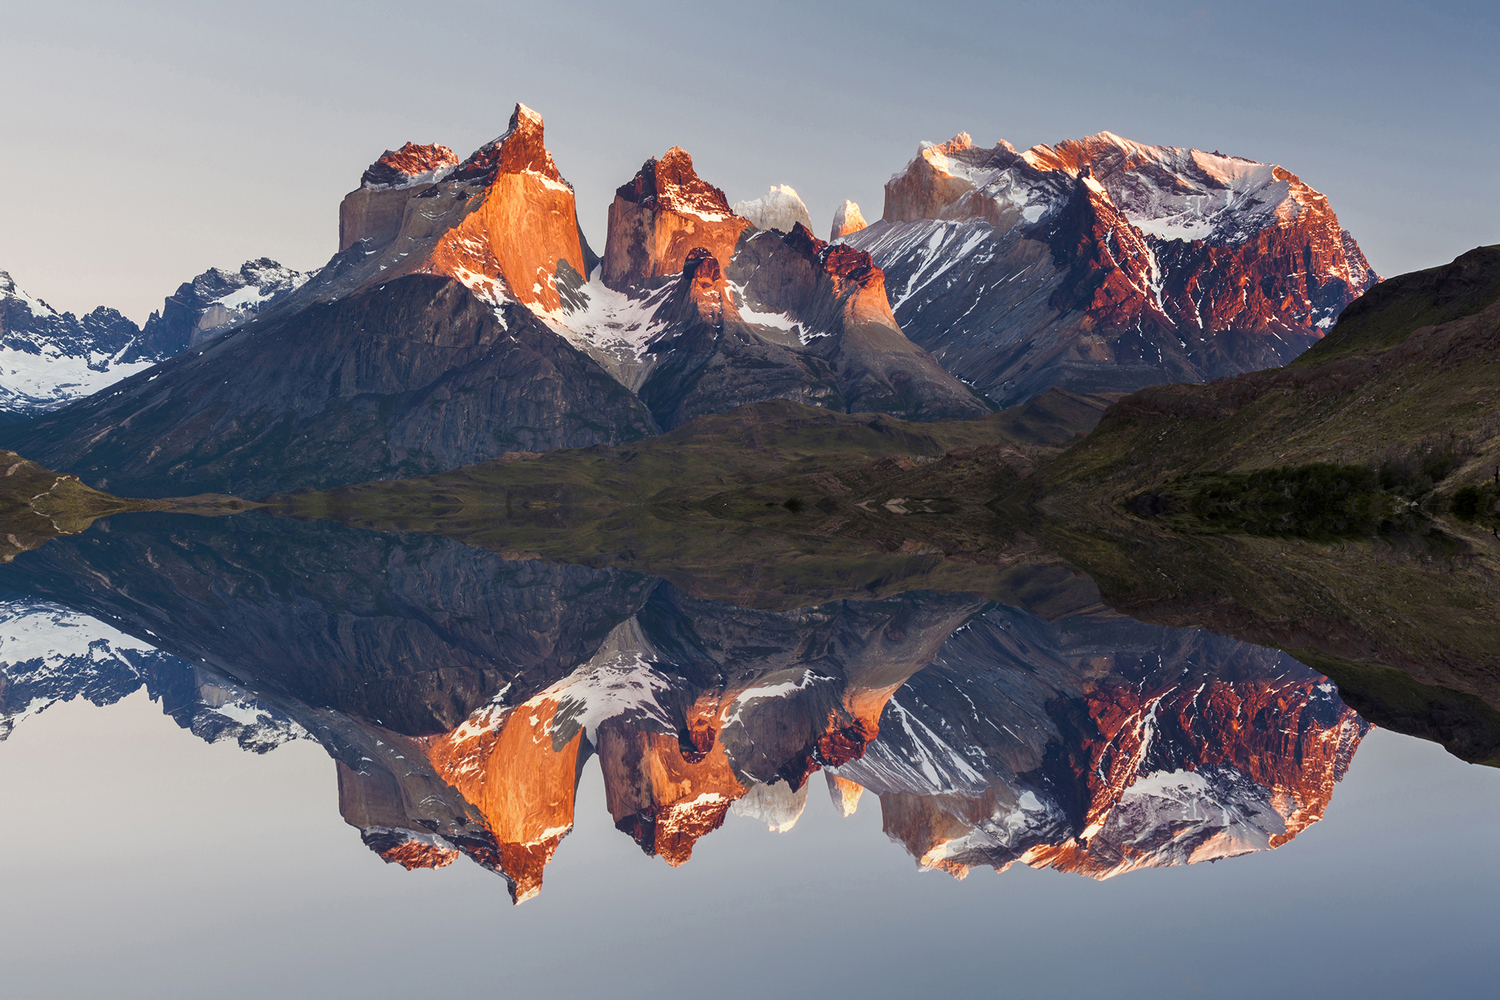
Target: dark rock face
{"points": [[832, 342], [709, 360], [415, 376], [838, 297]]}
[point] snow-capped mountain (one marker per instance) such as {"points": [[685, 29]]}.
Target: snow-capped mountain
{"points": [[1106, 264], [215, 301], [49, 359], [466, 317], [779, 208]]}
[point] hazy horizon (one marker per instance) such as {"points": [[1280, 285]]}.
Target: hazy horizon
{"points": [[150, 144]]}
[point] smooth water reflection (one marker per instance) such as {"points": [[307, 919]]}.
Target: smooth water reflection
{"points": [[531, 719], [462, 695]]}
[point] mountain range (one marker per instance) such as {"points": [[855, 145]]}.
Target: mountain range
{"points": [[465, 315]]}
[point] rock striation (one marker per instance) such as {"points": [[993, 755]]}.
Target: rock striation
{"points": [[1107, 264]]}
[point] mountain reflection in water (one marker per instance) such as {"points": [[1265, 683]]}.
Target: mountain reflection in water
{"points": [[461, 695]]}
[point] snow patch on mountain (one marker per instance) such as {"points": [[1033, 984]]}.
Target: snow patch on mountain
{"points": [[596, 319], [779, 208], [38, 308], [48, 359], [782, 321], [50, 378], [621, 679]]}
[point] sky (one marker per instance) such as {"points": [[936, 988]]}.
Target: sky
{"points": [[146, 142]]}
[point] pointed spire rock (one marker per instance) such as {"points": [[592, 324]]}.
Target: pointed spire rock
{"points": [[659, 215], [779, 208], [848, 219], [519, 779]]}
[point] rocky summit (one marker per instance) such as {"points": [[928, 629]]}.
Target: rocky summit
{"points": [[1107, 264]]}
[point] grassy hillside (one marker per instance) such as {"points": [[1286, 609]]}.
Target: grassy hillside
{"points": [[1388, 313]]}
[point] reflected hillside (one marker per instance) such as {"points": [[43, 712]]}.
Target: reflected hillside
{"points": [[461, 694]]}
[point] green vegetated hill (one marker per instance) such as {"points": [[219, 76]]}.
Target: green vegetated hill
{"points": [[1386, 388], [37, 504]]}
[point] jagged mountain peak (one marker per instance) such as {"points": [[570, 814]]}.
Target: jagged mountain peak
{"points": [[1108, 264], [660, 214], [520, 149], [10, 290], [669, 181], [217, 300], [503, 222], [779, 208]]}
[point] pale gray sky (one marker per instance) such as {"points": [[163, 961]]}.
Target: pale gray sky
{"points": [[145, 142]]}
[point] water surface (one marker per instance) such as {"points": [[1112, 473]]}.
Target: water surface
{"points": [[228, 741]]}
